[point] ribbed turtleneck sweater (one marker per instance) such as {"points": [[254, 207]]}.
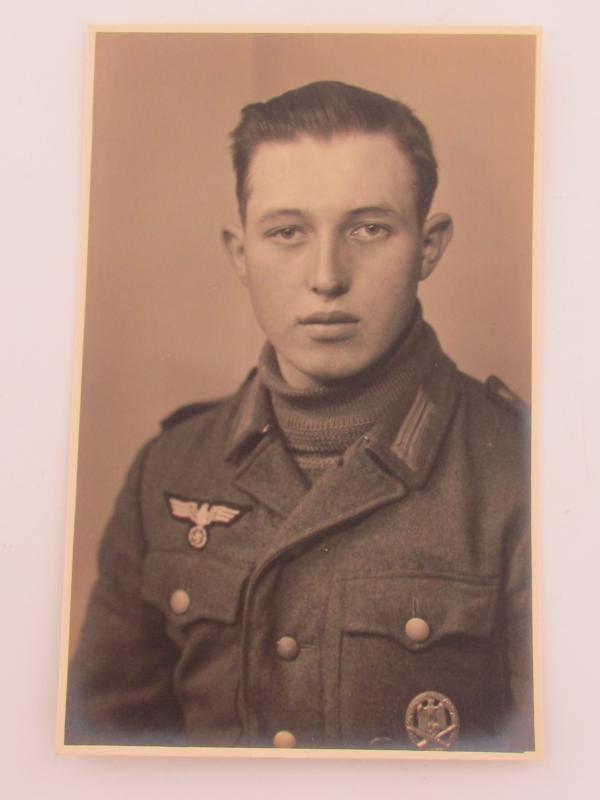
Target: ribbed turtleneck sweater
{"points": [[320, 424]]}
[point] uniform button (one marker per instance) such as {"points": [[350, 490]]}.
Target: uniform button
{"points": [[417, 629], [284, 739], [287, 648], [179, 601]]}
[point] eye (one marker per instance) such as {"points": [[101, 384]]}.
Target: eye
{"points": [[370, 230], [288, 234]]}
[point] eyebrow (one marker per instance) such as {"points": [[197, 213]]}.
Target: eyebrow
{"points": [[386, 211], [280, 212]]}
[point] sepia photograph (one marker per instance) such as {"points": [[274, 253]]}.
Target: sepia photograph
{"points": [[300, 508]]}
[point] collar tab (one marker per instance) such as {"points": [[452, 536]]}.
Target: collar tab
{"points": [[253, 419], [411, 448]]}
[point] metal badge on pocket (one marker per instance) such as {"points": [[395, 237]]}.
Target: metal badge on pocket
{"points": [[432, 721]]}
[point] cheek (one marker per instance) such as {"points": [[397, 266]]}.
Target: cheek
{"points": [[388, 282], [273, 280], [271, 294], [271, 300]]}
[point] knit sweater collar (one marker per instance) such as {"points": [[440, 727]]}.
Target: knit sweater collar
{"points": [[331, 417]]}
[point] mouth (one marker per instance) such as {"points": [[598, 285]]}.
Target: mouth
{"points": [[328, 318], [329, 326]]}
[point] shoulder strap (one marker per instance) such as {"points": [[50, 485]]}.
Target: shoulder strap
{"points": [[186, 412], [500, 391]]}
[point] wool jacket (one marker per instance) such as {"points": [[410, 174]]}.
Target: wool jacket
{"points": [[278, 613]]}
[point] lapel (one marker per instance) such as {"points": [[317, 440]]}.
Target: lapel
{"points": [[265, 470], [357, 487], [270, 476], [393, 459]]}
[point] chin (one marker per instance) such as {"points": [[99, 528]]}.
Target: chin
{"points": [[335, 369]]}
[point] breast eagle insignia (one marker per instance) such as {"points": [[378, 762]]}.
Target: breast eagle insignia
{"points": [[202, 514]]}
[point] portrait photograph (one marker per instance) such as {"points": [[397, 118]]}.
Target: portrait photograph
{"points": [[300, 505]]}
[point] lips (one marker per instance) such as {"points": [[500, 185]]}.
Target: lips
{"points": [[328, 318], [329, 327]]}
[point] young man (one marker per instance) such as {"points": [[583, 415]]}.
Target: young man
{"points": [[337, 555]]}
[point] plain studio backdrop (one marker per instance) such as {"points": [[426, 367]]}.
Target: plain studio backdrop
{"points": [[166, 320]]}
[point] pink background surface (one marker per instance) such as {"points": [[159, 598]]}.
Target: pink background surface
{"points": [[42, 56]]}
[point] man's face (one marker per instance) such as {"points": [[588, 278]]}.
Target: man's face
{"points": [[331, 252]]}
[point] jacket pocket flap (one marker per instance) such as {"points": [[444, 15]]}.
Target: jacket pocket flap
{"points": [[186, 588], [447, 605]]}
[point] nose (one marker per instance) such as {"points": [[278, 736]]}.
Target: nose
{"points": [[328, 274]]}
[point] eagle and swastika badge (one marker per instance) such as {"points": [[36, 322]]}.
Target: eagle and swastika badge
{"points": [[203, 515], [432, 721]]}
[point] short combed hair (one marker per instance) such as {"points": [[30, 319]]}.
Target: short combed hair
{"points": [[323, 109]]}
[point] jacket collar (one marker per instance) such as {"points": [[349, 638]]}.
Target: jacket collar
{"points": [[252, 420], [405, 440]]}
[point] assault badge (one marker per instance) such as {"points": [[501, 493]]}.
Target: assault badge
{"points": [[432, 721], [202, 515]]}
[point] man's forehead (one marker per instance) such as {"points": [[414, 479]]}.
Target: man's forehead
{"points": [[309, 147], [369, 165]]}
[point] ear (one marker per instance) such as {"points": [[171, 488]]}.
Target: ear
{"points": [[233, 240], [437, 232]]}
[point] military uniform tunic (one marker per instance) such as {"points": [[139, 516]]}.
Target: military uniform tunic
{"points": [[315, 616]]}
